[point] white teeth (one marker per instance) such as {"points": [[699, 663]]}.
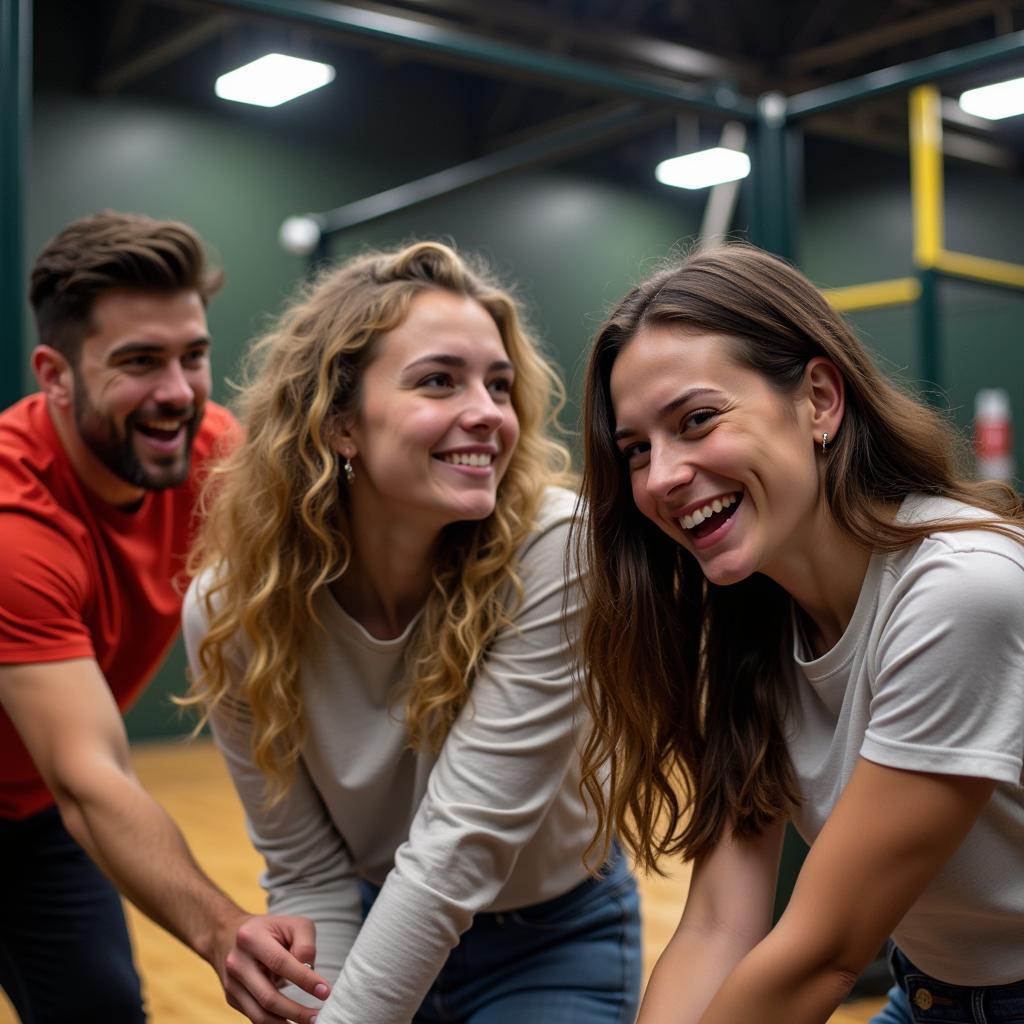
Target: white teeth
{"points": [[698, 516], [162, 424], [473, 459]]}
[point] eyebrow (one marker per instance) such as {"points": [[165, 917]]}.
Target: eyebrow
{"points": [[667, 409], [445, 359], [136, 347]]}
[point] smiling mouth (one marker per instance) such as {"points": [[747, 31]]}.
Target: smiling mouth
{"points": [[159, 429], [467, 458], [711, 516]]}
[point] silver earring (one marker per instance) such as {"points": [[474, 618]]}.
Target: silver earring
{"points": [[824, 444], [350, 473]]}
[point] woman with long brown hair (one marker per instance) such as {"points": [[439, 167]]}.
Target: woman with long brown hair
{"points": [[381, 633], [799, 609]]}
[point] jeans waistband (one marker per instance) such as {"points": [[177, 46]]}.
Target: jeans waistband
{"points": [[997, 1002], [613, 872]]}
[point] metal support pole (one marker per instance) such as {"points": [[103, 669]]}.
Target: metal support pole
{"points": [[926, 196], [582, 136], [928, 340], [773, 205], [926, 174], [15, 107]]}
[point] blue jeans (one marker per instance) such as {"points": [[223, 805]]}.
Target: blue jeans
{"points": [[64, 948], [917, 998], [571, 959]]}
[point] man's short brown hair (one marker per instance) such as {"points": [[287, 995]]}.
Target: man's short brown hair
{"points": [[111, 250]]}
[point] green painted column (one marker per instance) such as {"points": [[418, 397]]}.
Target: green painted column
{"points": [[928, 337], [772, 187], [15, 106]]}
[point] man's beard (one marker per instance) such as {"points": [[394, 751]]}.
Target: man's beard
{"points": [[100, 436]]}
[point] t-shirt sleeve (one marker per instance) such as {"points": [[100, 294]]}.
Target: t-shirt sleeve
{"points": [[309, 871], [948, 689], [502, 765], [44, 589]]}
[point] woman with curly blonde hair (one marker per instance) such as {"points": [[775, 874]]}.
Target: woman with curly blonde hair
{"points": [[380, 633]]}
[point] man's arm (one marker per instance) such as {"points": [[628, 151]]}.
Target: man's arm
{"points": [[68, 720]]}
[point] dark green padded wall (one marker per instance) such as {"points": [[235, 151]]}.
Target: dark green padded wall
{"points": [[572, 243], [572, 239]]}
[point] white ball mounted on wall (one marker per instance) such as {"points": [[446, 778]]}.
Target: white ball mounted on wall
{"points": [[299, 235]]}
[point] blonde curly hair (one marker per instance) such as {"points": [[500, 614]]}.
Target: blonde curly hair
{"points": [[275, 518]]}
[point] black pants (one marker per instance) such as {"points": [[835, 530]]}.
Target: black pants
{"points": [[64, 948]]}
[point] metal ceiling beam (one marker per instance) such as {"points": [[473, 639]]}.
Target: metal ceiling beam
{"points": [[165, 52], [902, 76], [584, 136], [891, 35], [893, 139], [15, 112], [658, 55], [465, 45]]}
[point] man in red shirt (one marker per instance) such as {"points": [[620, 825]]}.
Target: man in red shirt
{"points": [[99, 475]]}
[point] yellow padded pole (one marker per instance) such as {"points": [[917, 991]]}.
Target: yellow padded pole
{"points": [[897, 292], [926, 174]]}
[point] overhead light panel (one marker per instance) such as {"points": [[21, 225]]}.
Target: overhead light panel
{"points": [[704, 169], [273, 79], [1003, 99]]}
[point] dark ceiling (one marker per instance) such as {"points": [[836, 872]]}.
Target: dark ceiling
{"points": [[172, 50]]}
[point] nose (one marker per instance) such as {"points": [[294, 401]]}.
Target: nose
{"points": [[481, 413], [174, 387], [669, 468]]}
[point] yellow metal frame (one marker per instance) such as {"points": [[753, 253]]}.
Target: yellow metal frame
{"points": [[930, 253], [896, 292]]}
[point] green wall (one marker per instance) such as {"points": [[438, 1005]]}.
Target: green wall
{"points": [[572, 243], [573, 238]]}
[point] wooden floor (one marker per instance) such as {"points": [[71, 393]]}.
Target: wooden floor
{"points": [[191, 782]]}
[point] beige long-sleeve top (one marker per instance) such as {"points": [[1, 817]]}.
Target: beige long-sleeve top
{"points": [[494, 822]]}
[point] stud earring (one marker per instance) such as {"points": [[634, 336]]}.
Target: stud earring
{"points": [[824, 443], [350, 473]]}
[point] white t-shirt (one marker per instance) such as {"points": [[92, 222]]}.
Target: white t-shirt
{"points": [[929, 676], [494, 822]]}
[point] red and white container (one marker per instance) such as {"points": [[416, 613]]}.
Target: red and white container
{"points": [[993, 435]]}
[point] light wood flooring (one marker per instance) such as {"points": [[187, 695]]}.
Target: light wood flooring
{"points": [[190, 780]]}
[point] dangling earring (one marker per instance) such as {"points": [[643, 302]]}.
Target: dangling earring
{"points": [[824, 444], [350, 473]]}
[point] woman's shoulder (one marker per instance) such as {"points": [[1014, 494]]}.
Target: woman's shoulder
{"points": [[975, 529], [557, 505], [978, 567]]}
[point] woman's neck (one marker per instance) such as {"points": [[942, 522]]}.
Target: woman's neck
{"points": [[388, 578], [825, 580]]}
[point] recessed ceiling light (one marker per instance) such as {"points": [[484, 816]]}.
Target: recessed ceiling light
{"points": [[704, 169], [272, 80], [1003, 99]]}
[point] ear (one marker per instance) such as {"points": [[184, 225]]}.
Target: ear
{"points": [[825, 390], [54, 376], [343, 440]]}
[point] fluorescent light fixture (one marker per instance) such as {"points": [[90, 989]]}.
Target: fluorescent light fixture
{"points": [[1003, 99], [703, 169], [272, 80]]}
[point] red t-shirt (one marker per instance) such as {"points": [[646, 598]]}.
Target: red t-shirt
{"points": [[80, 578]]}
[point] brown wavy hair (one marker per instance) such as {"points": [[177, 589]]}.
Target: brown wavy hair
{"points": [[276, 524], [684, 680], [111, 250]]}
